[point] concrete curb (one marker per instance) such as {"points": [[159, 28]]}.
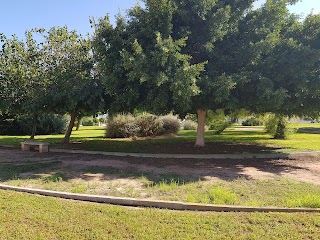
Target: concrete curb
{"points": [[186, 156], [191, 156], [157, 204]]}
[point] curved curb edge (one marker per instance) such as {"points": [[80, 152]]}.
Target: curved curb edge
{"points": [[186, 156], [156, 204]]}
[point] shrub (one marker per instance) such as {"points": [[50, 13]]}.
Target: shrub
{"points": [[122, 126], [276, 126], [89, 121], [149, 125], [189, 125], [217, 120], [170, 124], [46, 124], [22, 125], [271, 125], [9, 125], [253, 121], [219, 125]]}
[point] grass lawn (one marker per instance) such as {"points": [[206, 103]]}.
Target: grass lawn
{"points": [[25, 216], [92, 138]]}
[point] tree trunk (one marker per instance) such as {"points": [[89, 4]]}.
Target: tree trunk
{"points": [[70, 126], [34, 126], [201, 114], [78, 123]]}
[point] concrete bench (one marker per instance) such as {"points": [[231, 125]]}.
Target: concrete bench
{"points": [[43, 146]]}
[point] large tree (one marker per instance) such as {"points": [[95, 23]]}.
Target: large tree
{"points": [[74, 86], [144, 58], [23, 77], [285, 79]]}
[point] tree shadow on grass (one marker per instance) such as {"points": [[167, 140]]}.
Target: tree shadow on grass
{"points": [[309, 130]]}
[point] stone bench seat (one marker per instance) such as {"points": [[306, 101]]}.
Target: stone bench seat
{"points": [[43, 146]]}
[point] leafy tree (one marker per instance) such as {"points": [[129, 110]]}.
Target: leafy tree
{"points": [[285, 78], [155, 35], [151, 75], [73, 84], [236, 58], [23, 77]]}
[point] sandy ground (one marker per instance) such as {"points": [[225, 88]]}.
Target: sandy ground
{"points": [[305, 169]]}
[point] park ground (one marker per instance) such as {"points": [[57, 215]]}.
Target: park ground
{"points": [[282, 182]]}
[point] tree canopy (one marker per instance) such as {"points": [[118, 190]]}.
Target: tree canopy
{"points": [[53, 75], [169, 56], [191, 56]]}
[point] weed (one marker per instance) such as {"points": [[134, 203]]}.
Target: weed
{"points": [[56, 177], [79, 189], [219, 195], [308, 201]]}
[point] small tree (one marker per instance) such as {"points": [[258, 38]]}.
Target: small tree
{"points": [[74, 86], [23, 77]]}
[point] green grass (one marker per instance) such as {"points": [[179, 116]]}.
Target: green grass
{"points": [[25, 216], [85, 134], [92, 138], [280, 193]]}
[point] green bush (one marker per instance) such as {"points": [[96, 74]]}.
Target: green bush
{"points": [[189, 125], [122, 126], [253, 121], [9, 125], [89, 121], [271, 125], [22, 125], [171, 124], [149, 125], [276, 126], [219, 125], [217, 120]]}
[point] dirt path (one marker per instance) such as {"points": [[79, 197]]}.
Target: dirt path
{"points": [[305, 169]]}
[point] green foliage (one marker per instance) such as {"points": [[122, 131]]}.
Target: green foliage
{"points": [[56, 177], [141, 65], [23, 75], [271, 124], [54, 75], [218, 121], [252, 121], [184, 56], [89, 121], [276, 126], [46, 124], [189, 125], [72, 82], [22, 125]]}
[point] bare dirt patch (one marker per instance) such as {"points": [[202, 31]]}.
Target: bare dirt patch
{"points": [[304, 169]]}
